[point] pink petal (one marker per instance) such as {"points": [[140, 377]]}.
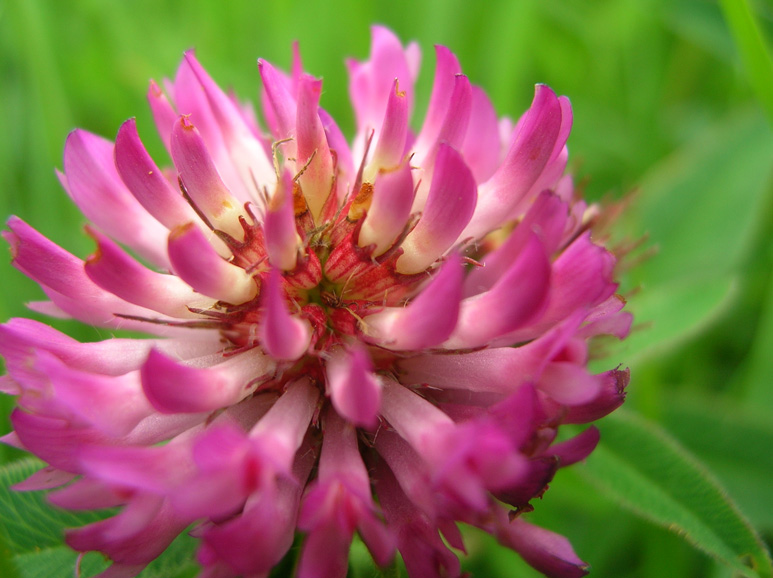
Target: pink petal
{"points": [[115, 271], [44, 479], [546, 551], [191, 100], [516, 298], [449, 207], [546, 218], [577, 448], [139, 548], [113, 405], [389, 209], [569, 383], [282, 335], [313, 153], [201, 180], [370, 82], [390, 146], [534, 142], [164, 114], [245, 151], [62, 277], [353, 387], [450, 133], [481, 142], [446, 70], [197, 263], [279, 105], [172, 387], [146, 181], [282, 240], [97, 189], [428, 320]]}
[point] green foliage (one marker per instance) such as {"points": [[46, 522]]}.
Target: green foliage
{"points": [[650, 473], [33, 532], [669, 99]]}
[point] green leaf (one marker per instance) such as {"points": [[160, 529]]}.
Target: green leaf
{"points": [[28, 523], [33, 531], [670, 313], [652, 475], [734, 442], [701, 208]]}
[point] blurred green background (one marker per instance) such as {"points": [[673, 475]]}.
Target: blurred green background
{"points": [[664, 105]]}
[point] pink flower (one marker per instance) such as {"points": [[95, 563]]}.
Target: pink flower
{"points": [[382, 338]]}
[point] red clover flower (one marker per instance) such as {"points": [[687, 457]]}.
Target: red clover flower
{"points": [[381, 337]]}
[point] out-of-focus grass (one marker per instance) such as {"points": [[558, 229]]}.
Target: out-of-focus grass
{"points": [[651, 83]]}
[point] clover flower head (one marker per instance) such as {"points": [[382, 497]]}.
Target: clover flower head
{"points": [[378, 337]]}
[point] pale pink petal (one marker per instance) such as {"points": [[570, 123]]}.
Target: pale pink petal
{"points": [[390, 146], [481, 143]]}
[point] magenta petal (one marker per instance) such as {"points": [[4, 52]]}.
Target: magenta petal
{"points": [[609, 398], [282, 336], [201, 181], [115, 271], [164, 114], [550, 553], [97, 189], [390, 146], [282, 240], [429, 319], [353, 387], [197, 263], [482, 138], [175, 388], [535, 139], [389, 210], [517, 297], [450, 205], [577, 448], [62, 277], [146, 181], [370, 82], [313, 152], [546, 218]]}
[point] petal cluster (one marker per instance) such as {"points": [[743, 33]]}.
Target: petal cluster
{"points": [[380, 336]]}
